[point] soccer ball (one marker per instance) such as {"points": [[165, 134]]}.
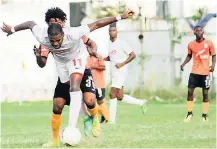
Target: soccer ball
{"points": [[70, 136]]}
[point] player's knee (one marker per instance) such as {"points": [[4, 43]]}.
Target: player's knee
{"points": [[205, 97], [57, 109], [120, 96], [113, 94], [58, 105], [100, 101], [190, 95], [74, 88], [90, 101]]}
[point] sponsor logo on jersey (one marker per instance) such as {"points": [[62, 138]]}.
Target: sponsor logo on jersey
{"points": [[59, 51]]}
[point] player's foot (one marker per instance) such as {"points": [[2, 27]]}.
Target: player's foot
{"points": [[96, 127], [205, 118], [103, 120], [51, 144], [188, 117], [88, 121], [144, 106]]}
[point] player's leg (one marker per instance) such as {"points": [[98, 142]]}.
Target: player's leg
{"points": [[113, 104], [103, 110], [190, 98], [205, 104], [76, 98], [192, 84], [88, 89], [61, 98], [129, 99], [74, 69], [205, 84]]}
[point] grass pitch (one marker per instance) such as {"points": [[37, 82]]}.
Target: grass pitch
{"points": [[28, 125]]}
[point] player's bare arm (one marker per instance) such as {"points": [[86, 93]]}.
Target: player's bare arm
{"points": [[132, 56], [98, 67], [91, 46], [103, 22], [23, 26], [187, 59], [41, 61], [212, 68]]}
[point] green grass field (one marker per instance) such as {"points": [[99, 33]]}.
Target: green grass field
{"points": [[28, 126]]}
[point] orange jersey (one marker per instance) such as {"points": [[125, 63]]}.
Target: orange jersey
{"points": [[201, 56], [98, 75]]}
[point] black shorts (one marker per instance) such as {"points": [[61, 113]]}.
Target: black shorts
{"points": [[202, 81], [87, 85], [100, 93]]}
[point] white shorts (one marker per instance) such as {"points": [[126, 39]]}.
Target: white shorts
{"points": [[119, 77], [65, 70]]}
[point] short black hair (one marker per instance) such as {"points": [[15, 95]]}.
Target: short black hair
{"points": [[55, 12], [112, 25], [198, 26], [54, 29]]}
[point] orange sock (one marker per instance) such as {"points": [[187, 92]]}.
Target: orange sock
{"points": [[205, 106], [55, 125], [189, 106], [103, 110], [93, 112]]}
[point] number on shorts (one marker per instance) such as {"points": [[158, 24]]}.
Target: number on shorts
{"points": [[207, 82], [99, 92], [77, 62], [89, 82]]}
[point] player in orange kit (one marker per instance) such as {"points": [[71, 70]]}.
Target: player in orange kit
{"points": [[201, 50]]}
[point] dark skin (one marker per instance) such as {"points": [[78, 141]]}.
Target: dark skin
{"points": [[198, 32], [59, 103], [75, 79], [116, 92]]}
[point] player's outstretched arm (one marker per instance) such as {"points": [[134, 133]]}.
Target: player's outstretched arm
{"points": [[109, 20], [23, 26], [41, 60], [91, 46], [187, 59]]}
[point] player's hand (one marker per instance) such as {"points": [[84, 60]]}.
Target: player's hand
{"points": [[119, 65], [37, 51], [92, 52], [182, 67], [211, 68], [6, 28], [127, 14]]}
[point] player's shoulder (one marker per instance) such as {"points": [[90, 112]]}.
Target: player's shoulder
{"points": [[72, 32], [208, 41], [120, 40], [192, 42]]}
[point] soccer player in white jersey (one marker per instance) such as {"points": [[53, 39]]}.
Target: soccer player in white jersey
{"points": [[67, 49], [61, 95], [120, 54]]}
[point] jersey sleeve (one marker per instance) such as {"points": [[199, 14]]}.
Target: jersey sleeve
{"points": [[189, 49], [77, 32], [127, 48], [212, 49], [39, 32], [44, 51]]}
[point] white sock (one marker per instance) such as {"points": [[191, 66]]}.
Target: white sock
{"points": [[113, 109], [83, 111], [74, 108], [132, 100]]}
